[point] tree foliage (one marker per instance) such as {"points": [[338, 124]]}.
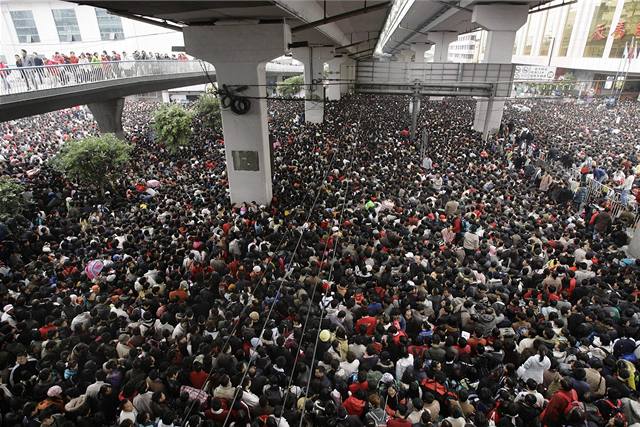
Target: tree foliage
{"points": [[208, 108], [291, 86], [11, 199], [172, 125], [96, 160]]}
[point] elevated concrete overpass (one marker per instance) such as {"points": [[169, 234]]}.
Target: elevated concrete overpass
{"points": [[102, 86], [240, 37]]}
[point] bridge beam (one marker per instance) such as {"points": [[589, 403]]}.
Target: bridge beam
{"points": [[108, 114], [239, 54], [501, 22]]}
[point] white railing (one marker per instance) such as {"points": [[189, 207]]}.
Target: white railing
{"points": [[26, 79]]}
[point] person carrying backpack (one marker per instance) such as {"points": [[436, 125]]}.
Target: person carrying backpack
{"points": [[563, 406], [611, 408]]}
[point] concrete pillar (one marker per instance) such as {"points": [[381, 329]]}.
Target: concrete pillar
{"points": [[239, 54], [335, 82], [419, 50], [108, 114], [501, 22], [313, 59], [166, 98], [633, 250], [442, 40], [347, 74], [405, 55]]}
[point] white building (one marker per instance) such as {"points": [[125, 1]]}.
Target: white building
{"points": [[586, 38], [467, 48], [53, 26]]}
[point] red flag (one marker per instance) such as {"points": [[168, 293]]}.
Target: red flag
{"points": [[600, 32], [620, 30]]}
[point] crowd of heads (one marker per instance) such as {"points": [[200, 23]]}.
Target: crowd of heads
{"points": [[24, 59], [447, 282]]}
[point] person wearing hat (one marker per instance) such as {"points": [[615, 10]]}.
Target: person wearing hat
{"points": [[54, 400], [8, 315]]}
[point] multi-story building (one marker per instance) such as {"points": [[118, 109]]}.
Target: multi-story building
{"points": [[586, 38], [466, 48], [50, 26]]}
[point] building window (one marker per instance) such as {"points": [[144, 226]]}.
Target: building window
{"points": [[528, 38], [626, 28], [600, 28], [25, 26], [549, 31], [516, 43], [67, 25], [110, 25], [568, 29]]}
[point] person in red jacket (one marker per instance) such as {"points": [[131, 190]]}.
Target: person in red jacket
{"points": [[554, 414], [369, 322], [197, 376], [400, 418], [356, 403]]}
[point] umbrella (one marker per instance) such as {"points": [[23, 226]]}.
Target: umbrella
{"points": [[153, 183], [93, 269]]}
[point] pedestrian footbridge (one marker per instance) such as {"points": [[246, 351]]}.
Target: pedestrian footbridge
{"points": [[25, 91]]}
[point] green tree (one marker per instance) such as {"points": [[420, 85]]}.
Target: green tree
{"points": [[96, 160], [172, 125], [208, 108], [291, 86], [11, 199]]}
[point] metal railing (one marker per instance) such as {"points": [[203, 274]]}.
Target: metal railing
{"points": [[384, 73], [26, 79], [597, 192]]}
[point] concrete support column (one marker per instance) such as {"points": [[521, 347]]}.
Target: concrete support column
{"points": [[108, 114], [239, 54], [419, 50], [335, 82], [166, 98], [347, 74], [405, 55], [633, 250], [442, 40], [501, 22], [313, 59]]}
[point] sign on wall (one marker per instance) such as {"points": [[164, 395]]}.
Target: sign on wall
{"points": [[534, 72]]}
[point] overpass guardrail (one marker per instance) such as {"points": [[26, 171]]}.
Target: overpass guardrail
{"points": [[26, 79]]}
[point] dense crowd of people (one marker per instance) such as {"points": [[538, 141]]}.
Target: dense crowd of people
{"points": [[91, 67], [380, 287]]}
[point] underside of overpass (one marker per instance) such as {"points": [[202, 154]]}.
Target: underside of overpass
{"points": [[334, 38]]}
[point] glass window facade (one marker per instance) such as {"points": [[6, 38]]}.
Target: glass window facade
{"points": [[567, 30], [67, 25], [516, 43], [548, 33], [25, 26], [626, 28], [600, 28], [528, 38], [110, 25]]}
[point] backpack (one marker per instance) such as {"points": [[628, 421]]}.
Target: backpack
{"points": [[574, 409], [617, 411], [439, 390]]}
